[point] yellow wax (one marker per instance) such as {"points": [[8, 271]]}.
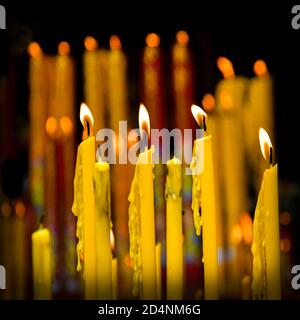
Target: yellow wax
{"points": [[158, 271], [103, 247], [42, 264], [142, 227], [204, 196], [265, 247], [95, 65], [84, 209], [174, 230], [114, 278]]}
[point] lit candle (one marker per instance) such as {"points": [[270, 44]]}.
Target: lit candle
{"points": [[84, 204], [203, 205], [174, 230], [141, 220], [41, 264], [101, 178], [265, 248]]}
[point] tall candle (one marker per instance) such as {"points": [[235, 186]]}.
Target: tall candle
{"points": [[174, 230], [141, 220], [265, 248], [101, 179], [84, 204], [42, 264], [204, 202]]}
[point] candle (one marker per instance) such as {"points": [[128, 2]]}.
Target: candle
{"points": [[41, 264], [265, 248], [158, 271], [174, 230], [141, 220], [84, 204], [114, 278], [94, 65], [204, 201], [103, 249]]}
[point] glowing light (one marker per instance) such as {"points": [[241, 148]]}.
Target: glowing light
{"points": [[152, 40], [226, 100], [199, 115], [226, 67], [115, 42], [144, 120], [34, 50], [260, 68], [6, 209], [64, 48], [285, 218], [51, 127], [112, 240], [182, 37], [66, 125], [247, 228], [237, 233], [20, 208], [90, 43], [85, 114], [265, 143], [285, 245], [208, 102]]}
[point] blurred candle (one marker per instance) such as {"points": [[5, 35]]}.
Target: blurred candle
{"points": [[266, 282], [42, 264], [203, 205]]}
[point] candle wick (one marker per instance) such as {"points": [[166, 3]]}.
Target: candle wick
{"points": [[88, 128], [271, 156], [41, 224], [204, 123]]}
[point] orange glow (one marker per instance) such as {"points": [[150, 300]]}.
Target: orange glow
{"points": [[225, 66], [115, 42], [265, 143], [285, 218], [152, 40], [6, 209], [237, 234], [182, 37], [112, 240], [208, 102], [128, 261], [85, 113], [51, 127], [199, 115], [20, 209], [247, 228], [144, 120], [226, 100], [34, 50], [64, 48], [90, 43], [66, 125], [285, 245], [260, 68]]}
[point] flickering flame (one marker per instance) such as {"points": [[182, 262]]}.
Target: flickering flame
{"points": [[115, 42], [64, 48], [199, 115], [112, 240], [85, 114], [208, 102], [144, 120], [66, 125], [90, 43], [182, 37], [51, 127], [152, 40], [265, 144], [260, 68], [20, 208], [34, 50], [225, 66]]}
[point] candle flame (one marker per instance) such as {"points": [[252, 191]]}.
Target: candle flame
{"points": [[199, 115], [20, 209], [260, 68], [115, 42], [64, 48], [34, 50], [85, 114], [144, 120], [112, 240], [265, 143], [90, 43], [152, 40], [226, 67], [208, 102], [182, 37]]}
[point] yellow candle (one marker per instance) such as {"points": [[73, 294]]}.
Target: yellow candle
{"points": [[84, 205], [103, 223], [158, 271], [174, 230], [265, 247], [114, 279], [142, 223], [41, 264], [203, 193]]}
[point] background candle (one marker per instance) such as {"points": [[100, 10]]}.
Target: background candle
{"points": [[174, 230], [42, 264]]}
